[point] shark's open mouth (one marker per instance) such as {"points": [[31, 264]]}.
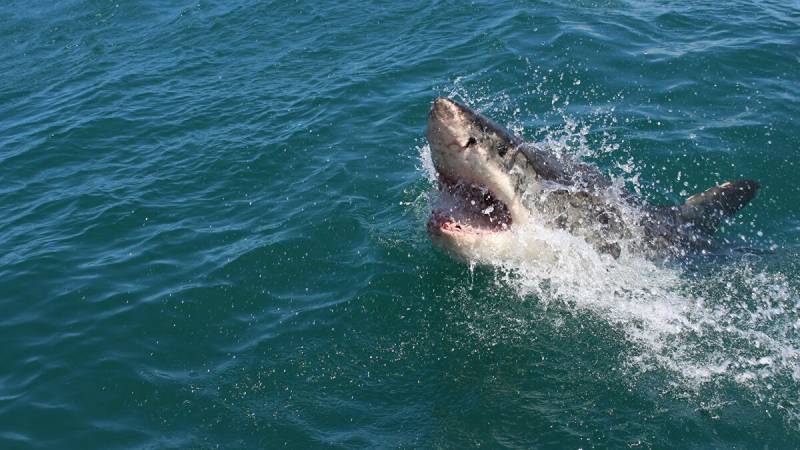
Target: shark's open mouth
{"points": [[463, 207]]}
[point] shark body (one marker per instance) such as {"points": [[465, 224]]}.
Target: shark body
{"points": [[492, 183]]}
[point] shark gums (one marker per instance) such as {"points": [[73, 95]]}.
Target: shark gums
{"points": [[492, 184]]}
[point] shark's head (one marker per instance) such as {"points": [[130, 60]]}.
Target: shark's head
{"points": [[474, 158]]}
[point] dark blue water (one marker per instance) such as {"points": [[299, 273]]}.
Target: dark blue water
{"points": [[213, 227]]}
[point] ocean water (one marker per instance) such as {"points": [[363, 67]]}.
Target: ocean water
{"points": [[213, 227]]}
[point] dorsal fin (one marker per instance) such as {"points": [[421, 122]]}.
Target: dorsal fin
{"points": [[707, 209]]}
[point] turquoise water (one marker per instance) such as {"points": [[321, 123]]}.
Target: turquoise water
{"points": [[213, 227]]}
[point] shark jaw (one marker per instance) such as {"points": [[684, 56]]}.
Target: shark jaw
{"points": [[477, 204], [466, 217]]}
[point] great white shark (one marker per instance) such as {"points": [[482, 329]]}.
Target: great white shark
{"points": [[492, 183]]}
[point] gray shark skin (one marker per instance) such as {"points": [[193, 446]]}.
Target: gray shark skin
{"points": [[494, 182]]}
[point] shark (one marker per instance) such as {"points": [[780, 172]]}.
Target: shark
{"points": [[492, 185]]}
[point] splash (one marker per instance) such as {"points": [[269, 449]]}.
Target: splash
{"points": [[710, 322]]}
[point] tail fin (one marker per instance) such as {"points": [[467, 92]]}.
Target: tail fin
{"points": [[707, 209]]}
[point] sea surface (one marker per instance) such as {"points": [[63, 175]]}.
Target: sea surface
{"points": [[212, 227]]}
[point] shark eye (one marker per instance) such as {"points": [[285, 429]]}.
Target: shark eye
{"points": [[502, 150], [471, 141]]}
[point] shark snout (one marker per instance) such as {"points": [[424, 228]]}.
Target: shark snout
{"points": [[443, 110], [448, 121]]}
